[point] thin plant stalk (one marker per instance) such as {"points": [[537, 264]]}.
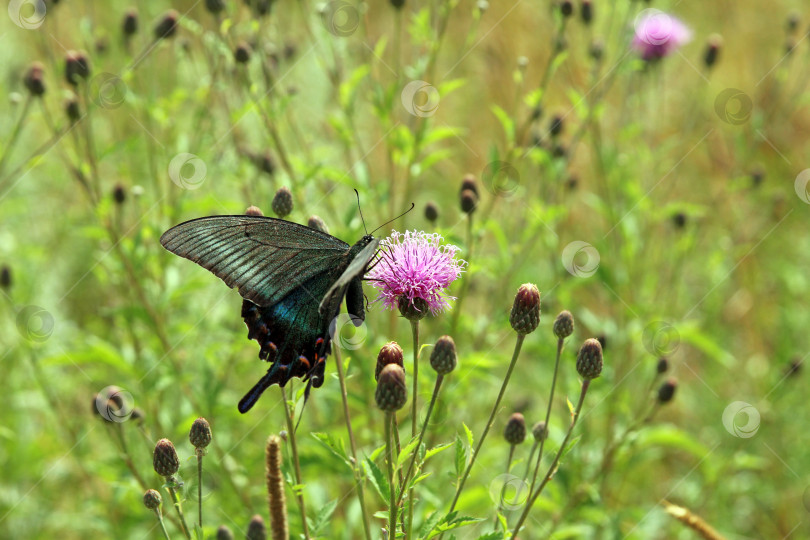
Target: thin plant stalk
{"points": [[411, 465], [15, 135], [199, 486], [503, 489], [177, 506], [553, 468], [357, 476], [162, 524], [460, 487], [466, 283], [415, 331], [560, 343], [299, 495], [389, 456]]}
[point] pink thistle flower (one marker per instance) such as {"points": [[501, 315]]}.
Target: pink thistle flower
{"points": [[416, 265], [658, 34]]}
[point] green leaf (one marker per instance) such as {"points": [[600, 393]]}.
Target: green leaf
{"points": [[378, 480], [406, 451], [436, 449], [506, 121], [461, 457], [335, 446], [322, 518], [469, 435]]}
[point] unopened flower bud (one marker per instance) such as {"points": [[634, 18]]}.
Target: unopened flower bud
{"points": [[712, 50], [72, 109], [200, 433], [469, 182], [119, 194], [390, 353], [431, 212], [515, 431], [564, 324], [224, 533], [129, 26], [539, 431], [34, 79], [525, 315], [555, 127], [167, 25], [392, 393], [214, 6], [469, 201], [315, 222], [397, 4], [283, 202], [164, 459], [589, 359], [5, 277], [254, 211], [256, 529], [242, 53], [443, 357], [152, 499], [667, 391], [77, 66], [662, 366], [566, 8]]}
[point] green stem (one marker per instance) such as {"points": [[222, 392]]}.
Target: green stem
{"points": [[548, 412], [299, 494], [503, 489], [415, 331], [392, 507], [179, 508], [162, 524], [15, 135], [515, 354], [553, 468], [466, 283], [358, 477], [199, 486]]}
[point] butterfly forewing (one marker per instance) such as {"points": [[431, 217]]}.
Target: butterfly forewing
{"points": [[265, 258]]}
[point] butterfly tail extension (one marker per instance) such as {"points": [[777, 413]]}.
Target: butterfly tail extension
{"points": [[276, 374]]}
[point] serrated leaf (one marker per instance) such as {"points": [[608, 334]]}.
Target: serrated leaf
{"points": [[335, 446], [378, 480], [436, 449], [469, 435], [406, 451], [461, 457], [376, 453], [322, 518]]}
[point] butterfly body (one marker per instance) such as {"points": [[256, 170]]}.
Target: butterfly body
{"points": [[292, 279]]}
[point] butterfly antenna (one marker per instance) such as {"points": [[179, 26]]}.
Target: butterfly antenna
{"points": [[396, 218], [361, 211]]}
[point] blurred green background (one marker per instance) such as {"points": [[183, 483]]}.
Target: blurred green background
{"points": [[681, 177]]}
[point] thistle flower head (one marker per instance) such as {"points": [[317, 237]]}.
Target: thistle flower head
{"points": [[224, 533], [515, 431], [667, 391], [34, 79], [391, 392], [317, 223], [589, 359], [165, 458], [658, 34], [564, 324], [254, 211], [151, 499], [525, 315], [256, 530], [416, 265], [539, 431], [283, 202], [200, 433], [390, 353], [443, 358]]}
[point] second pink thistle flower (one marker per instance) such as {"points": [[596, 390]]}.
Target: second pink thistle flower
{"points": [[416, 265], [657, 34]]}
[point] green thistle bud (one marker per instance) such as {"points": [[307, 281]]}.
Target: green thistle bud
{"points": [[152, 499], [515, 431], [318, 224], [540, 431], [34, 79], [5, 277], [589, 359], [413, 310], [242, 53], [564, 324], [390, 353], [443, 358], [167, 25], [254, 211], [283, 202], [77, 66], [391, 394], [224, 533], [200, 433], [525, 315], [256, 529], [129, 26], [431, 212], [667, 391], [165, 458]]}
